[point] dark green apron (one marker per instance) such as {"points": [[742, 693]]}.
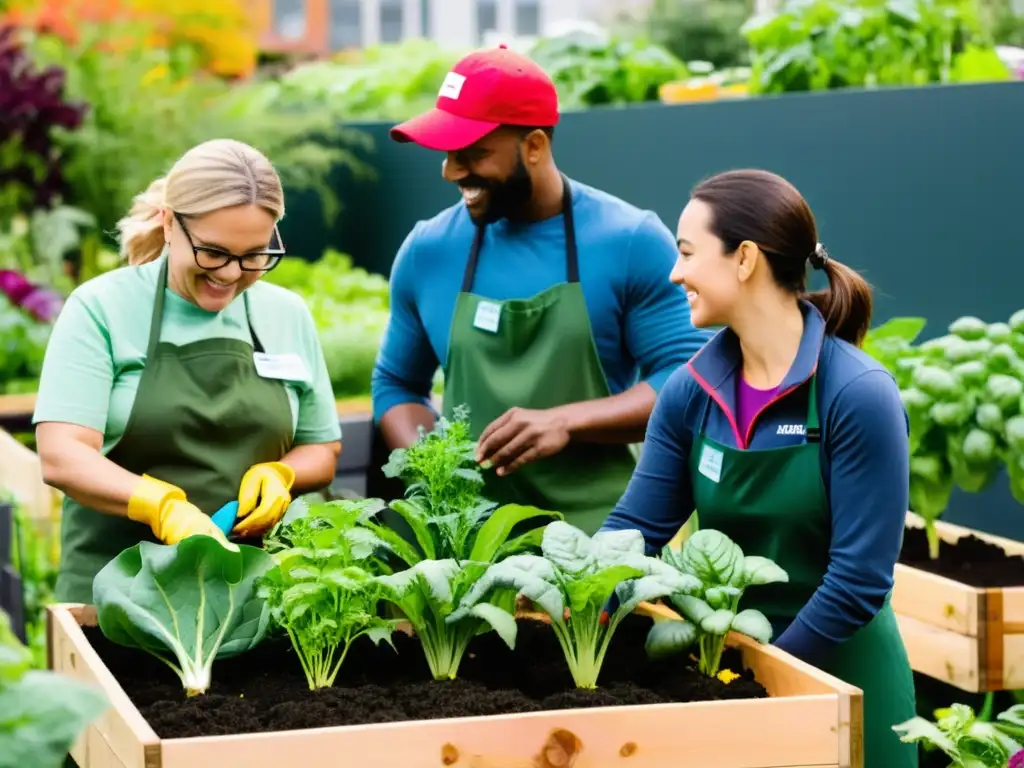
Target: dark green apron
{"points": [[201, 417], [773, 503], [536, 353]]}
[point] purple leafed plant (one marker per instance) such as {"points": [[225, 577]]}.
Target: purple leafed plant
{"points": [[32, 105], [42, 303], [1016, 760]]}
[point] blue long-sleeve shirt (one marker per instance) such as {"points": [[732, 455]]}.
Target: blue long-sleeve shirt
{"points": [[640, 321], [864, 463]]}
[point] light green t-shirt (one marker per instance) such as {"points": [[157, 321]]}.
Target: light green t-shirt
{"points": [[93, 360]]}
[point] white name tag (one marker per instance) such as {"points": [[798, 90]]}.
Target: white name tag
{"points": [[288, 367], [487, 316], [711, 463]]}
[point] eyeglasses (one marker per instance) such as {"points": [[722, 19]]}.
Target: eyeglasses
{"points": [[210, 258]]}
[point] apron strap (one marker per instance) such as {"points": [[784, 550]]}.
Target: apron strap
{"points": [[257, 345], [572, 265], [156, 322], [813, 427]]}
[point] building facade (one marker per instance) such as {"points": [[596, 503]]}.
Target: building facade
{"points": [[320, 27]]}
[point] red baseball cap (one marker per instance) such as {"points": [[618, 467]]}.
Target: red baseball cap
{"points": [[484, 90]]}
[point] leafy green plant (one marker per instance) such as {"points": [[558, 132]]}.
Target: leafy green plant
{"points": [[705, 30], [41, 712], [382, 82], [964, 397], [591, 69], [186, 604], [967, 740], [22, 348], [428, 594], [573, 583], [350, 309], [443, 506], [712, 611], [322, 590], [152, 104], [810, 45]]}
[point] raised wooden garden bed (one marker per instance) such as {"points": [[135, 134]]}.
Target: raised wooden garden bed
{"points": [[383, 711], [962, 616]]}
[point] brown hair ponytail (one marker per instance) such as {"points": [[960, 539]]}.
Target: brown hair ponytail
{"points": [[764, 208], [846, 304]]}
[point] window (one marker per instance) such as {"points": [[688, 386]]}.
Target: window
{"points": [[425, 26], [346, 24], [527, 23], [392, 28], [290, 19], [486, 18]]}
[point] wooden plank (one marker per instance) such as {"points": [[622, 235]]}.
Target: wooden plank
{"points": [[354, 406], [648, 736], [652, 736], [17, 405], [934, 599], [120, 737], [942, 654], [1013, 662], [21, 474], [1013, 610]]}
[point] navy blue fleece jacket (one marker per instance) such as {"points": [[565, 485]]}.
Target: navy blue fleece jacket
{"points": [[864, 464]]}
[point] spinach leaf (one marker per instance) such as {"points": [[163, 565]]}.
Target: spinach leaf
{"points": [[187, 604], [723, 573], [428, 593], [573, 582]]}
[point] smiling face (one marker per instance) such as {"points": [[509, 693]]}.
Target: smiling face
{"points": [[243, 230], [712, 278], [494, 173]]}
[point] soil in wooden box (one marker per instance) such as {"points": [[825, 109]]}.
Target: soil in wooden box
{"points": [[265, 690], [970, 560]]}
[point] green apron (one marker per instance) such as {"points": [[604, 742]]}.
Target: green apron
{"points": [[201, 417], [536, 353], [773, 503]]}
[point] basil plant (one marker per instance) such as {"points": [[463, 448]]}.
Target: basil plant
{"points": [[712, 611]]}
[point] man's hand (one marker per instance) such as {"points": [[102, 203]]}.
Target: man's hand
{"points": [[520, 436]]}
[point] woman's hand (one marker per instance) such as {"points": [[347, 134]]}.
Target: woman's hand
{"points": [[263, 497]]}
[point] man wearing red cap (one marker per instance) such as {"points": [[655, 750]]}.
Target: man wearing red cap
{"points": [[547, 302]]}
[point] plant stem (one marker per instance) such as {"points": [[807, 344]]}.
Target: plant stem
{"points": [[933, 539], [986, 711]]}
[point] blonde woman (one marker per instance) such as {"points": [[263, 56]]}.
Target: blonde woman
{"points": [[182, 382]]}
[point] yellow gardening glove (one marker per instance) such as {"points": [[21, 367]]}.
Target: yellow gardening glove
{"points": [[163, 508], [263, 497]]}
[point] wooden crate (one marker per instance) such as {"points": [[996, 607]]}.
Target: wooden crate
{"points": [[812, 721], [968, 637], [21, 475]]}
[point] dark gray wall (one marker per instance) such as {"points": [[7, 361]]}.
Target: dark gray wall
{"points": [[920, 189]]}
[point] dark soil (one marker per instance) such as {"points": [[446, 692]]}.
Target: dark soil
{"points": [[265, 690], [970, 561]]}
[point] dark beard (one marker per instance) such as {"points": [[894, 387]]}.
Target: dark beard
{"points": [[506, 199]]}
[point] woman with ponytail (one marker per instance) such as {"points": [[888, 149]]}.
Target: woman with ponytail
{"points": [[785, 436], [181, 383]]}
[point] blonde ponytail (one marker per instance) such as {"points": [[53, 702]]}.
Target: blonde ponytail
{"points": [[216, 174], [142, 230]]}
